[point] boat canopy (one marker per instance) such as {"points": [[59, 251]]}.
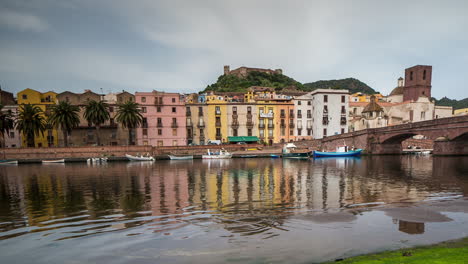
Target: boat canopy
{"points": [[243, 139]]}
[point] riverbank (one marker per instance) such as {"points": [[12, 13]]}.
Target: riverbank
{"points": [[455, 251]]}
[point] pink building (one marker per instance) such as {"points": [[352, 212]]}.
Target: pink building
{"points": [[163, 119]]}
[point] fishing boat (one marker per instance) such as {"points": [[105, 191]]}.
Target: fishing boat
{"points": [[173, 157], [275, 156], [6, 162], [222, 154], [139, 158], [54, 161], [288, 152], [343, 151]]}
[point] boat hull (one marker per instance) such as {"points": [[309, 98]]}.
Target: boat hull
{"points": [[11, 162], [135, 158], [54, 161], [180, 157], [296, 155], [216, 156], [318, 154]]}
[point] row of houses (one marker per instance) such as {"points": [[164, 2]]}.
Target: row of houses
{"points": [[261, 114]]}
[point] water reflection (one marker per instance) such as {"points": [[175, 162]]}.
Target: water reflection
{"points": [[243, 196]]}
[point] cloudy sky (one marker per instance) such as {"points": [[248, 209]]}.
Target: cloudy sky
{"points": [[182, 46]]}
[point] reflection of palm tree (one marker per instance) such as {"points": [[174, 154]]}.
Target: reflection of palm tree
{"points": [[133, 200]]}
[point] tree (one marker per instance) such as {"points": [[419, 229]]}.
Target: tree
{"points": [[97, 113], [130, 117], [65, 116], [6, 124], [31, 122]]}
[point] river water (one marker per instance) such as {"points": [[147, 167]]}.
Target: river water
{"points": [[235, 211]]}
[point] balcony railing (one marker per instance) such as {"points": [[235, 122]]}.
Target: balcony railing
{"points": [[201, 125], [235, 125], [299, 115], [291, 125], [261, 125], [271, 126], [188, 113], [250, 124], [174, 125]]}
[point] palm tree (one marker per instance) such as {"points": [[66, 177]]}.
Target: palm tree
{"points": [[65, 116], [130, 117], [31, 122], [6, 123], [97, 113]]}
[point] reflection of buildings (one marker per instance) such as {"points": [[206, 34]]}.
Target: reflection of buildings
{"points": [[412, 228]]}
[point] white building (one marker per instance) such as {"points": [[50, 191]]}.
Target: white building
{"points": [[329, 112], [303, 107]]}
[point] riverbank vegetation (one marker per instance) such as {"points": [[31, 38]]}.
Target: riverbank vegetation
{"points": [[452, 252]]}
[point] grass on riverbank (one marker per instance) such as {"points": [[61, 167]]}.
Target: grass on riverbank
{"points": [[446, 252]]}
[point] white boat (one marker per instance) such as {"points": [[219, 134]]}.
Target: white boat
{"points": [[54, 161], [139, 158], [96, 160], [222, 154], [172, 157]]}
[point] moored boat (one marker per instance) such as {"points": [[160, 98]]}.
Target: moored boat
{"points": [[275, 156], [222, 154], [288, 152], [139, 158], [340, 152], [173, 157], [54, 161], [11, 162]]}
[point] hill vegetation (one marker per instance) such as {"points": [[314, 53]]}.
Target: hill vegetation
{"points": [[351, 84], [456, 104]]}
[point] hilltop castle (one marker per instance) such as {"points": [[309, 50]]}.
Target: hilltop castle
{"points": [[242, 72]]}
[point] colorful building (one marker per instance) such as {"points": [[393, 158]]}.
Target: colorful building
{"points": [[43, 101], [217, 118], [164, 119]]}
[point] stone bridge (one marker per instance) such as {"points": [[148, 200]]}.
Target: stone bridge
{"points": [[450, 137]]}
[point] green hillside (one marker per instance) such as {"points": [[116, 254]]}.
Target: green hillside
{"points": [[232, 83], [456, 104], [351, 84]]}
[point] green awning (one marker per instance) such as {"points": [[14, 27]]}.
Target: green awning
{"points": [[242, 139]]}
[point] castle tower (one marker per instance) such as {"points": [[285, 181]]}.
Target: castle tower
{"points": [[401, 82], [226, 69], [417, 82]]}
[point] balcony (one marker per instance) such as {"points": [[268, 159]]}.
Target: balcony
{"points": [[271, 126], [188, 113], [158, 102], [218, 124], [159, 125], [343, 121], [261, 125], [291, 125], [218, 137], [250, 124], [235, 125], [249, 115], [282, 115], [299, 115], [218, 112], [200, 113], [189, 123], [325, 120], [234, 115], [282, 125], [291, 115], [309, 116], [174, 125]]}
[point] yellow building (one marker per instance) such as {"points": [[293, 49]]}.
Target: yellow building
{"points": [[360, 97], [44, 101], [217, 118], [463, 111]]}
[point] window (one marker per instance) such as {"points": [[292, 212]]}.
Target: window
{"points": [[159, 132], [299, 131], [159, 121], [299, 114], [424, 75], [343, 99], [309, 132], [200, 111], [160, 143], [24, 96], [158, 109], [173, 100], [283, 131], [249, 110], [249, 132], [325, 98], [174, 131], [270, 132], [342, 131], [143, 99], [423, 115], [143, 109], [112, 121], [282, 113], [343, 109], [411, 76], [325, 109], [145, 132], [262, 133], [309, 103], [234, 110], [174, 110], [218, 110], [144, 122], [234, 132], [174, 142], [145, 142], [309, 114], [354, 110], [218, 132], [291, 132], [111, 109], [324, 132], [298, 102], [130, 99], [12, 134]]}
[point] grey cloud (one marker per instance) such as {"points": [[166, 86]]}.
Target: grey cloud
{"points": [[22, 21]]}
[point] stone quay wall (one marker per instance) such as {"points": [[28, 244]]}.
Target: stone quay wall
{"points": [[112, 151]]}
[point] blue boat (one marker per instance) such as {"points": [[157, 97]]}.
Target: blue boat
{"points": [[350, 153]]}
